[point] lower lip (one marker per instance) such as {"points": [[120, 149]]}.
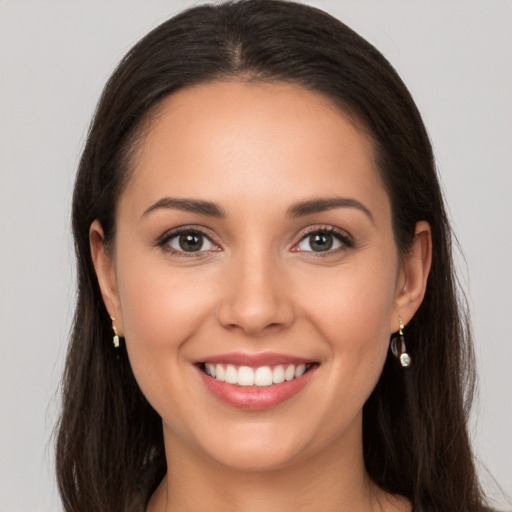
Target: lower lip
{"points": [[254, 397]]}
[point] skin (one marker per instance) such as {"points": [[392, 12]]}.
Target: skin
{"points": [[255, 151]]}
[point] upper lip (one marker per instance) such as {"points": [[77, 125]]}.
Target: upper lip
{"points": [[254, 360]]}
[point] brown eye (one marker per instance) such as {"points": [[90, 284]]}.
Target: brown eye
{"points": [[324, 240], [190, 242], [319, 242]]}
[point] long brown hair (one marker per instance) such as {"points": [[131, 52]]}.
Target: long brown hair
{"points": [[110, 453]]}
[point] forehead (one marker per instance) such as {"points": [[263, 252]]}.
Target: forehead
{"points": [[260, 142]]}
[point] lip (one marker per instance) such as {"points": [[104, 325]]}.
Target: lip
{"points": [[254, 397], [254, 360]]}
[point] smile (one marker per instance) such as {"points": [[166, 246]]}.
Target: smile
{"points": [[255, 382], [261, 376]]}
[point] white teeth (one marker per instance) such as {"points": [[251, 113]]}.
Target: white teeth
{"points": [[300, 370], [278, 375], [219, 372], [245, 376], [289, 373], [231, 375], [262, 376], [210, 369]]}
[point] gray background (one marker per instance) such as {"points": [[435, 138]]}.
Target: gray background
{"points": [[54, 58]]}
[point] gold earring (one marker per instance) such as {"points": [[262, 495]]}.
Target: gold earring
{"points": [[116, 337], [398, 347]]}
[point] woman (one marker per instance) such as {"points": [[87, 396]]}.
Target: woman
{"points": [[256, 216]]}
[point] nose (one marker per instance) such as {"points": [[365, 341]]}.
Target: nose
{"points": [[256, 299]]}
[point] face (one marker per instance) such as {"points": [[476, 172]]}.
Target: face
{"points": [[254, 275]]}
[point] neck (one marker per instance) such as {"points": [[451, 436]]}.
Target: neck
{"points": [[333, 480]]}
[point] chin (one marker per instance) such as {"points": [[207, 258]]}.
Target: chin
{"points": [[255, 459], [264, 445]]}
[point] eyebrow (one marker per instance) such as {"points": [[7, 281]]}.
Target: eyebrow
{"points": [[321, 205], [300, 209], [187, 205]]}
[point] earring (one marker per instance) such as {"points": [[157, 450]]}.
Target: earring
{"points": [[398, 347], [116, 337]]}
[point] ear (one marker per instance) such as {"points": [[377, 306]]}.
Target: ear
{"points": [[105, 272], [412, 281]]}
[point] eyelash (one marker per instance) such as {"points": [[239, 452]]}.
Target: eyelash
{"points": [[341, 236], [164, 240]]}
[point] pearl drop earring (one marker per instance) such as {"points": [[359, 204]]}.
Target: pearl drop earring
{"points": [[398, 347]]}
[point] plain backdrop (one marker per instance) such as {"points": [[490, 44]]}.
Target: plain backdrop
{"points": [[55, 56]]}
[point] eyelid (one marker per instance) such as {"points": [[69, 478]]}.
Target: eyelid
{"points": [[168, 235], [341, 235]]}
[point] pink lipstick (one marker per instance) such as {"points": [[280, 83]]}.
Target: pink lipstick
{"points": [[255, 381]]}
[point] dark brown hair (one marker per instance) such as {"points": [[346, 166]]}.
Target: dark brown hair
{"points": [[110, 454]]}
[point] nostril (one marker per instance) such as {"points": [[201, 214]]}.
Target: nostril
{"points": [[255, 306]]}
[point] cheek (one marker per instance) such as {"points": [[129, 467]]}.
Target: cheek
{"points": [[156, 306], [351, 308], [353, 319], [162, 308], [158, 300]]}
